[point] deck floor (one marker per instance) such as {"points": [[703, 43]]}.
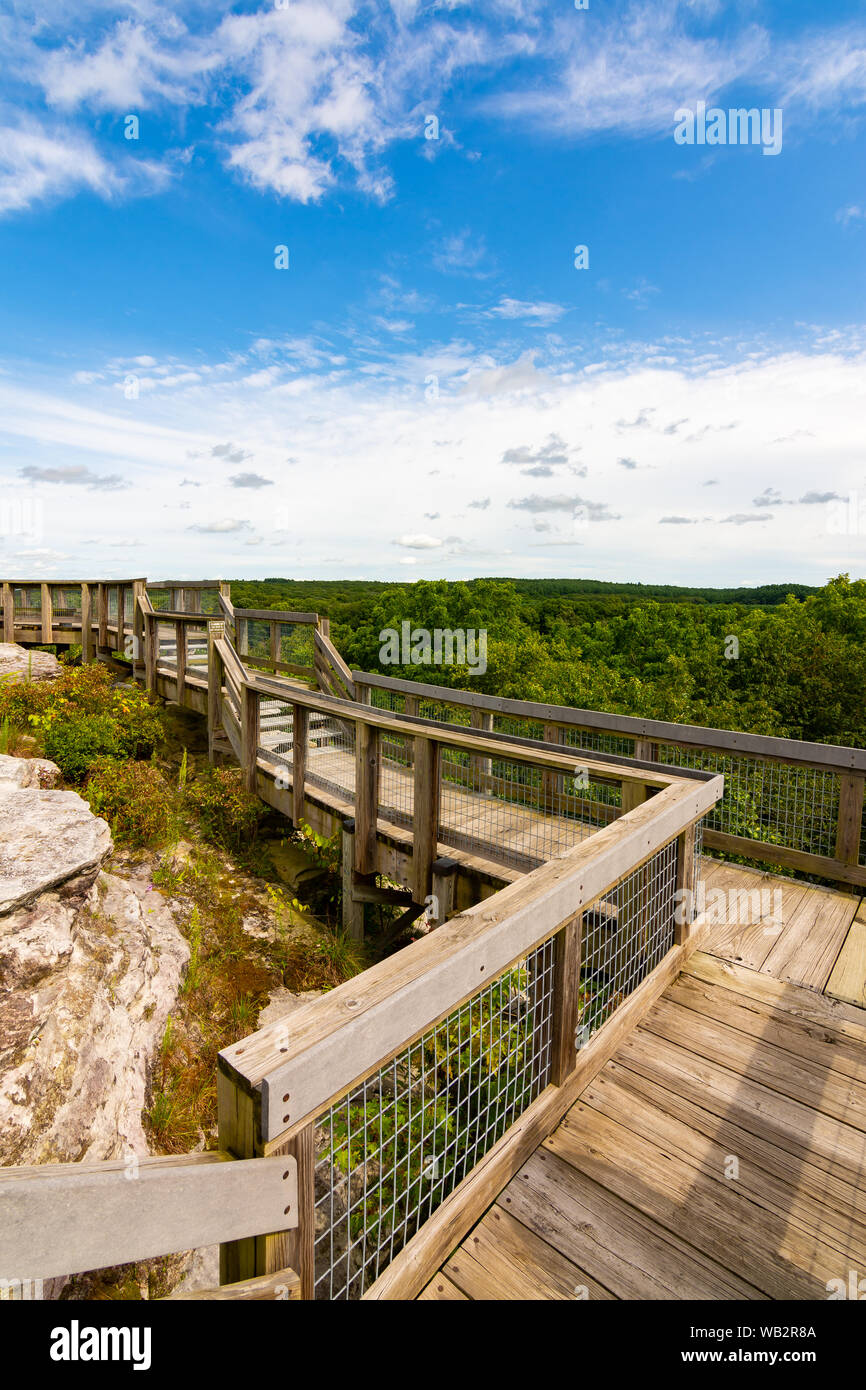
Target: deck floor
{"points": [[721, 1152]]}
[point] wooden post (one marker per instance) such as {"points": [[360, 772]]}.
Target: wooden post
{"points": [[275, 645], [180, 658], [849, 826], [8, 613], [139, 588], [549, 799], [482, 767], [566, 1000], [295, 1249], [151, 651], [366, 796], [444, 888], [353, 912], [411, 704], [193, 600], [686, 883], [300, 729], [633, 794], [249, 735], [86, 625], [425, 820], [46, 614], [214, 687], [102, 606]]}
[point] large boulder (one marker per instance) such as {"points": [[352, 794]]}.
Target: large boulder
{"points": [[19, 664], [46, 839], [27, 772]]}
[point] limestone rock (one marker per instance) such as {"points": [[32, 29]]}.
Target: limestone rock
{"points": [[88, 977], [19, 664], [27, 772], [46, 839]]}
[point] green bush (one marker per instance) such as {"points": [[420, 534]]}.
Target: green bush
{"points": [[75, 741], [227, 813], [135, 798]]}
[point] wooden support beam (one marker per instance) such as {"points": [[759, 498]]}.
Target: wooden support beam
{"points": [[151, 651], [283, 1286], [249, 735], [46, 614], [425, 820], [366, 796], [353, 908], [139, 590], [443, 890], [86, 625], [566, 1000], [214, 686], [300, 740], [295, 1248], [274, 636]]}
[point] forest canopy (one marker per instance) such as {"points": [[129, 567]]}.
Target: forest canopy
{"points": [[797, 666]]}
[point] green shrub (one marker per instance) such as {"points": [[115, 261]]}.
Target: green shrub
{"points": [[135, 798], [75, 741], [227, 813]]}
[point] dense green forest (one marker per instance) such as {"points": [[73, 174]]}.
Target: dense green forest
{"points": [[797, 666]]}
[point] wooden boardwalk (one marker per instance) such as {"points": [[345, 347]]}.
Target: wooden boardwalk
{"points": [[721, 1152]]}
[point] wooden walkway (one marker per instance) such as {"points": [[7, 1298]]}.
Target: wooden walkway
{"points": [[721, 1152]]}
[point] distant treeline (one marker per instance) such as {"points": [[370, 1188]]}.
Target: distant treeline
{"points": [[776, 659]]}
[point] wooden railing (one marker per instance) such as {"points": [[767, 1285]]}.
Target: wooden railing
{"points": [[555, 851], [787, 802]]}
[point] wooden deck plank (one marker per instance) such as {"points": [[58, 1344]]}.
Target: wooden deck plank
{"points": [[628, 1252], [848, 977], [840, 1097], [755, 1177], [801, 1130], [441, 1290], [779, 1259], [842, 1019], [502, 1259], [809, 1041], [750, 937], [844, 1204], [806, 950]]}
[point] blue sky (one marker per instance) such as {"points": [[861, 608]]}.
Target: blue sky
{"points": [[431, 387]]}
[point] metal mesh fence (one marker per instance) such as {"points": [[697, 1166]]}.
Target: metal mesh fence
{"points": [[254, 639], [391, 1151], [296, 644], [776, 803], [65, 602], [516, 813], [397, 778], [625, 935], [196, 647], [112, 603], [27, 601], [160, 600], [331, 754], [863, 835], [166, 641], [276, 731], [210, 601]]}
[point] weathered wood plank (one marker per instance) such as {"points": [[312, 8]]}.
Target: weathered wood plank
{"points": [[848, 978]]}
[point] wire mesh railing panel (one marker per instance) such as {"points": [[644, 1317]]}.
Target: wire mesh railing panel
{"points": [[515, 812], [160, 600], [518, 728], [296, 644], [862, 859], [397, 778], [391, 1151], [111, 596], [196, 647], [331, 754], [255, 639], [390, 700], [27, 601], [166, 645], [276, 731], [625, 935], [210, 601], [445, 713], [65, 603], [594, 741], [775, 803]]}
